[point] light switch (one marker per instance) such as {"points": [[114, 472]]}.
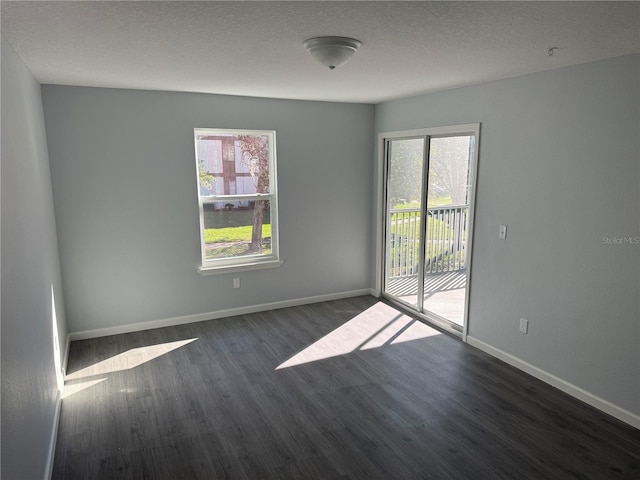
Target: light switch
{"points": [[502, 232]]}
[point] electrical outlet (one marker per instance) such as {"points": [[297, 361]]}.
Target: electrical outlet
{"points": [[236, 283], [524, 325]]}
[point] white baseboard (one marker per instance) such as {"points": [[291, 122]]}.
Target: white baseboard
{"points": [[201, 317], [54, 437], [577, 392]]}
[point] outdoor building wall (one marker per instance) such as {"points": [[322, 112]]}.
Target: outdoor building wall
{"points": [[30, 280], [124, 182], [559, 165]]}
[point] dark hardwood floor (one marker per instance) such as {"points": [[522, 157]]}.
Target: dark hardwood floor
{"points": [[348, 389]]}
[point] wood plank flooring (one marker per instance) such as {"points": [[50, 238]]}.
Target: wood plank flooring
{"points": [[348, 389]]}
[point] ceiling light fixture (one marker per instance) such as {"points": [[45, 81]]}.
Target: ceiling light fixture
{"points": [[332, 52]]}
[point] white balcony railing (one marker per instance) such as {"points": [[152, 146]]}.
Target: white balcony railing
{"points": [[444, 243]]}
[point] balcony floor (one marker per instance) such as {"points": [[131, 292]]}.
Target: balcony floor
{"points": [[444, 293]]}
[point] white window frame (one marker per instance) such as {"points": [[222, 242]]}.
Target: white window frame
{"points": [[244, 262]]}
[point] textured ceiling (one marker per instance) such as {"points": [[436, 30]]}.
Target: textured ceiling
{"points": [[255, 48]]}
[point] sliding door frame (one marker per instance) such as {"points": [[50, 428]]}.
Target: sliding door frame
{"points": [[423, 211], [472, 129]]}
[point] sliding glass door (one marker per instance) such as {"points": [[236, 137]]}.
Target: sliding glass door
{"points": [[428, 212], [405, 202]]}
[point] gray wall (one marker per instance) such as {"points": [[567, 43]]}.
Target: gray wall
{"points": [[123, 173], [30, 268], [559, 164]]}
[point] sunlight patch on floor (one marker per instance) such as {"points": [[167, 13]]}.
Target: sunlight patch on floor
{"points": [[129, 359], [73, 388], [57, 358], [377, 326]]}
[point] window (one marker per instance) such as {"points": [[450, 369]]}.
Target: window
{"points": [[237, 197]]}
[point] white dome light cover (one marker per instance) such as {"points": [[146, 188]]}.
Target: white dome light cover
{"points": [[332, 52]]}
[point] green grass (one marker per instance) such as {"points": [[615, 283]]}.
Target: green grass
{"points": [[411, 204], [213, 237], [439, 202], [233, 234], [235, 250], [432, 203], [230, 251]]}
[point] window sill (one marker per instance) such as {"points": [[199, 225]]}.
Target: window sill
{"points": [[244, 267]]}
